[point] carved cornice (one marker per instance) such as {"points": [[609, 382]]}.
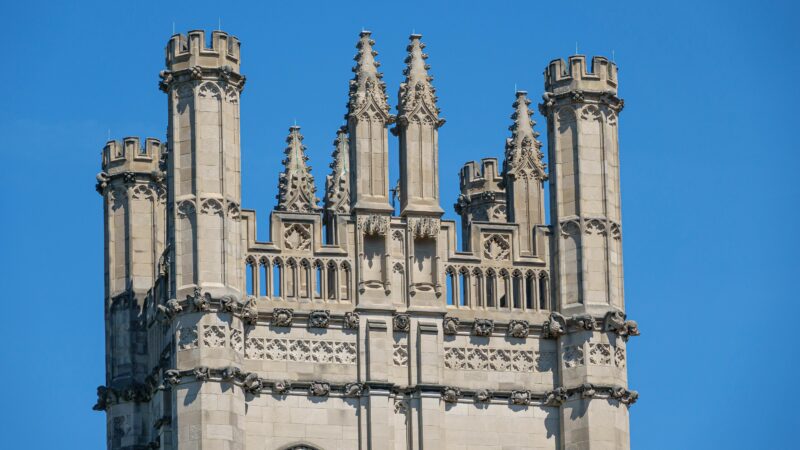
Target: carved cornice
{"points": [[424, 227], [255, 385], [225, 75], [576, 97]]}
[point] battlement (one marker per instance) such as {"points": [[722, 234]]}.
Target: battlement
{"points": [[186, 51], [129, 155], [575, 75], [481, 176]]}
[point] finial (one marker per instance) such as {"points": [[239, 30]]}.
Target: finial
{"points": [[296, 184]]}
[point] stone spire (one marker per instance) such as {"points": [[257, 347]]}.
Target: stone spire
{"points": [[523, 151], [523, 177], [296, 184], [337, 184], [367, 118], [367, 88], [417, 125]]}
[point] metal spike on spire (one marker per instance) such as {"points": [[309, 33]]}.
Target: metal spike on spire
{"points": [[523, 150], [337, 184], [417, 92], [296, 184], [366, 87]]}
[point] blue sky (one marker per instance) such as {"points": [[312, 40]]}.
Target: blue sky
{"points": [[709, 160]]}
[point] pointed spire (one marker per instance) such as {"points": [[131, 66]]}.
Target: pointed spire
{"points": [[337, 184], [523, 150], [417, 93], [366, 87], [296, 184]]}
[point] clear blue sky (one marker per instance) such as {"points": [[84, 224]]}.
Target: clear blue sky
{"points": [[709, 159]]}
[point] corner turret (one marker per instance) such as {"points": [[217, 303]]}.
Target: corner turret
{"points": [[482, 197], [575, 75]]}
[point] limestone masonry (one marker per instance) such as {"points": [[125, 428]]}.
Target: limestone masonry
{"points": [[352, 327]]}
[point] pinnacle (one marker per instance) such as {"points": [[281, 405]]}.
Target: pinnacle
{"points": [[337, 184], [522, 148], [417, 89], [366, 85], [296, 186]]}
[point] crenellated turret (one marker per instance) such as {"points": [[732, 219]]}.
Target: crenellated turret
{"points": [[581, 107], [337, 184], [367, 119], [523, 176], [418, 122], [296, 189], [132, 186], [482, 198]]}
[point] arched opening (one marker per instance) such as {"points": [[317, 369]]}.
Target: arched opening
{"points": [[451, 287], [264, 278], [345, 282], [516, 289], [249, 278], [318, 280], [463, 281], [277, 279], [491, 281], [530, 291], [543, 291], [333, 282]]}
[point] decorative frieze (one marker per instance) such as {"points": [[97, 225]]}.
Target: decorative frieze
{"points": [[400, 354], [424, 227], [496, 359], [301, 350]]}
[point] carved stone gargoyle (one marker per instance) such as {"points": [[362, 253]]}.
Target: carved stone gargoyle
{"points": [[450, 325], [518, 328], [522, 398], [172, 376], [105, 397], [483, 396], [587, 390], [556, 397], [350, 320], [616, 323], [282, 317], [401, 322], [169, 310], [451, 394], [201, 373], [555, 326], [319, 319], [282, 386], [252, 383], [199, 300], [231, 372], [319, 389], [229, 303], [624, 396], [483, 327], [353, 389], [583, 322]]}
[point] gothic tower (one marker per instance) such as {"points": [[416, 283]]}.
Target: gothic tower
{"points": [[581, 106], [204, 237], [134, 197]]}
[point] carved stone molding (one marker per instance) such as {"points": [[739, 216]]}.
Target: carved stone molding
{"points": [[483, 327], [498, 359], [424, 227], [300, 350], [450, 325], [282, 317], [401, 322], [518, 328], [373, 225], [496, 247], [319, 318], [297, 236]]}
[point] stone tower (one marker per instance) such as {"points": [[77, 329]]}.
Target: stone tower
{"points": [[351, 327], [582, 107]]}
